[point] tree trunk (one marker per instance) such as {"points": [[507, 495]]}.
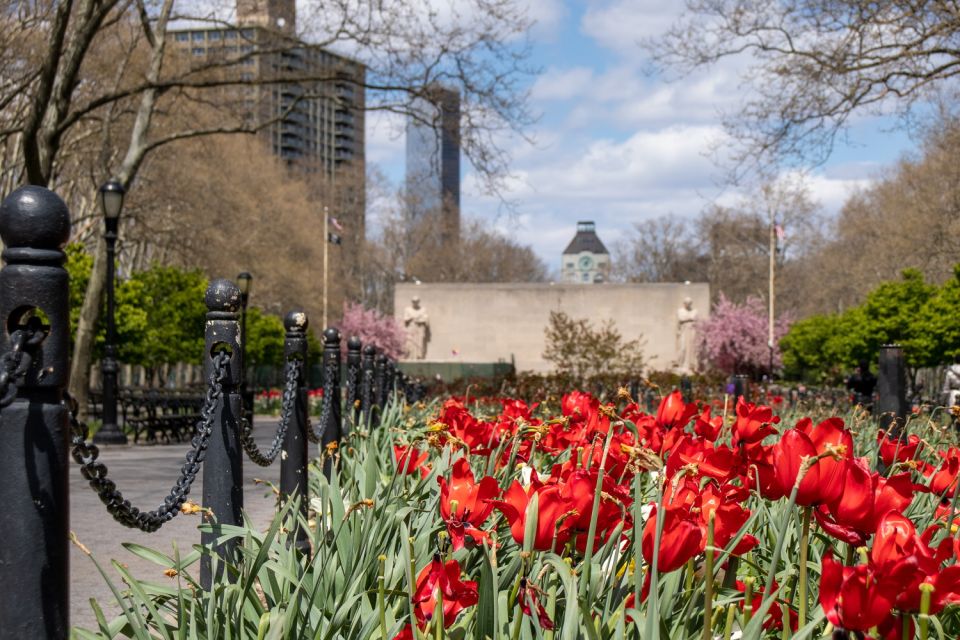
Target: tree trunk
{"points": [[87, 329]]}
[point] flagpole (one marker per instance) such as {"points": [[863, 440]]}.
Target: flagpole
{"points": [[773, 257], [326, 249]]}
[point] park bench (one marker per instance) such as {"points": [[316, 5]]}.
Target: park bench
{"points": [[156, 415]]}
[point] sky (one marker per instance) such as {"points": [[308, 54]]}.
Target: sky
{"points": [[617, 145]]}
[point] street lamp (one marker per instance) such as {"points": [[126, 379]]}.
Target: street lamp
{"points": [[244, 280], [111, 202]]}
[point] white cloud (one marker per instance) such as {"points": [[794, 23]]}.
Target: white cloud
{"points": [[620, 25]]}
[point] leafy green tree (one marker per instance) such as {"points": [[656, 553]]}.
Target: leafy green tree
{"points": [[909, 312], [264, 339], [79, 265], [161, 316], [937, 337]]}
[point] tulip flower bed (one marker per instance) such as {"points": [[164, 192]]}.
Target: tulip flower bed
{"points": [[599, 521]]}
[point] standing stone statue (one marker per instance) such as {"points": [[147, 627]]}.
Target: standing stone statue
{"points": [[686, 345], [417, 323]]}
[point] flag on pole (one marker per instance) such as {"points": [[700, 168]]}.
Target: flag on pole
{"points": [[335, 224], [333, 238], [781, 234]]}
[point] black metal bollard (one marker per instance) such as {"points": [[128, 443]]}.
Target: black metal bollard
{"points": [[741, 387], [391, 381], [34, 428], [367, 383], [892, 389], [333, 428], [223, 463], [293, 461], [381, 384], [353, 379]]}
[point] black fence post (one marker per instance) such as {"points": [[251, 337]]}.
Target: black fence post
{"points": [[891, 389], [353, 379], [223, 463], [293, 461], [367, 383], [333, 428], [381, 384], [741, 387], [34, 427]]}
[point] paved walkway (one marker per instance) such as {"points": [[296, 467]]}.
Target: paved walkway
{"points": [[145, 474]]}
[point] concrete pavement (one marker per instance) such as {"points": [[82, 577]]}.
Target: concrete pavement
{"points": [[145, 474]]}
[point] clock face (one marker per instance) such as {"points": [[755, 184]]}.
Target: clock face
{"points": [[586, 262]]}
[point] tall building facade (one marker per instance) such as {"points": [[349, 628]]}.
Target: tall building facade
{"points": [[433, 158], [316, 123], [585, 260]]}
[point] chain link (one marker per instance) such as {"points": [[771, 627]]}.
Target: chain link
{"points": [[17, 361], [326, 408], [288, 406], [86, 454]]}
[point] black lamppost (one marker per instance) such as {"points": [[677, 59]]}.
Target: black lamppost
{"points": [[111, 201], [244, 280]]}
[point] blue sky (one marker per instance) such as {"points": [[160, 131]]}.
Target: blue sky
{"points": [[618, 146]]}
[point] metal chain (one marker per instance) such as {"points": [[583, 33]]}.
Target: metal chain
{"points": [[17, 361], [326, 408], [86, 454], [287, 407]]}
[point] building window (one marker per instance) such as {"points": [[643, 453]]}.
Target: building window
{"points": [[247, 34], [198, 36], [198, 51], [230, 35], [214, 35], [183, 36], [586, 277], [569, 265]]}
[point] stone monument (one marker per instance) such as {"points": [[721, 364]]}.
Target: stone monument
{"points": [[686, 343], [417, 323]]}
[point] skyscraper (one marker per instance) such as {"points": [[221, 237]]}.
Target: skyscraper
{"points": [[316, 123], [433, 159]]}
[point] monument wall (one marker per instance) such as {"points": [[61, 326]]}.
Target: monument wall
{"points": [[500, 322]]}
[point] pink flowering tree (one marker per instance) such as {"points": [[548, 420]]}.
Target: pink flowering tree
{"points": [[373, 327], [734, 338]]}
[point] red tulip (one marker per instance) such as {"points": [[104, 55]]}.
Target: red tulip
{"points": [[681, 539], [728, 518], [774, 618], [707, 427], [867, 497], [943, 479], [897, 450], [442, 578], [753, 424], [472, 500], [824, 477], [674, 412], [410, 460], [858, 598], [527, 595], [553, 514]]}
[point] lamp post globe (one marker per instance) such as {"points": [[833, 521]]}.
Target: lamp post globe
{"points": [[111, 203]]}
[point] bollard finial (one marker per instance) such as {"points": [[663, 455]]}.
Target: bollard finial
{"points": [[34, 217], [331, 336], [296, 321], [354, 343], [222, 295], [370, 350]]}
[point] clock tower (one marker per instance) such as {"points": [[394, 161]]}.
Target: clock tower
{"points": [[585, 260]]}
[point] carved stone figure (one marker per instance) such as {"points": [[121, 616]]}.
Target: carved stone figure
{"points": [[951, 385], [417, 323], [686, 345]]}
